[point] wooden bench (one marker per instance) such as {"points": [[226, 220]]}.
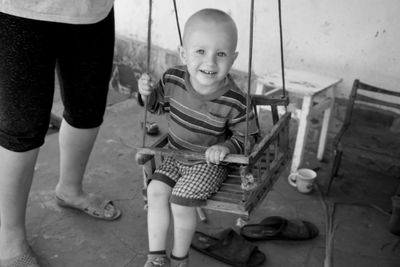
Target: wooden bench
{"points": [[371, 130]]}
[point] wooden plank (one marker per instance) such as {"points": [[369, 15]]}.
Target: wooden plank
{"points": [[371, 88], [235, 189], [269, 138], [264, 100], [299, 82], [228, 197], [226, 207], [376, 102]]}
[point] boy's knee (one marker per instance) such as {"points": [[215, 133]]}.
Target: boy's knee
{"points": [[157, 190]]}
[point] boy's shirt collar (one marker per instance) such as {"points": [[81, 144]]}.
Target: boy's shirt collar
{"points": [[218, 93]]}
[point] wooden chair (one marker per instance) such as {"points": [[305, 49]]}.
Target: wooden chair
{"points": [[250, 177], [370, 131]]}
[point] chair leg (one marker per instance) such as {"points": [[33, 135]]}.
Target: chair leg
{"points": [[335, 168]]}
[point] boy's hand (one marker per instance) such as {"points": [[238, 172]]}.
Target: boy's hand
{"points": [[216, 153], [145, 85]]}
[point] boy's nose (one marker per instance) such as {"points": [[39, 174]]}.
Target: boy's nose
{"points": [[211, 58]]}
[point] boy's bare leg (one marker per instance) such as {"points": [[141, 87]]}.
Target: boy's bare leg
{"points": [[75, 148], [16, 174], [158, 214], [185, 221]]}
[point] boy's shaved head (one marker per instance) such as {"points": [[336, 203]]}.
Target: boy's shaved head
{"points": [[208, 18]]}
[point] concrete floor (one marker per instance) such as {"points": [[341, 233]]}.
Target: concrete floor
{"points": [[63, 237]]}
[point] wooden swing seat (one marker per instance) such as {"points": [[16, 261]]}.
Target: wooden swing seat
{"points": [[251, 177]]}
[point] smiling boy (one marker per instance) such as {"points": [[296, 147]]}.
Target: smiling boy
{"points": [[207, 114]]}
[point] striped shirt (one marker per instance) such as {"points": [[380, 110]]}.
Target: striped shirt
{"points": [[195, 121]]}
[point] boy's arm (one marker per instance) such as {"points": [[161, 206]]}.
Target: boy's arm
{"points": [[237, 126], [155, 99]]}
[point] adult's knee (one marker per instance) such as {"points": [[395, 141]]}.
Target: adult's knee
{"points": [[19, 139]]}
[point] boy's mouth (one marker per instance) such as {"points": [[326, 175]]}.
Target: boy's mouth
{"points": [[208, 72]]}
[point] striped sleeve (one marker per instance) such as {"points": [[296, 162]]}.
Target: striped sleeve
{"points": [[237, 124]]}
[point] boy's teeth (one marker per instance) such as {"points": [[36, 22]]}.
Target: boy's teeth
{"points": [[208, 72]]}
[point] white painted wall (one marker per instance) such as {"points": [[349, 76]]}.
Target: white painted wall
{"points": [[344, 38]]}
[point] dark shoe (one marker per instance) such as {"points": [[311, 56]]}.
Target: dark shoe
{"points": [[229, 247], [278, 228]]}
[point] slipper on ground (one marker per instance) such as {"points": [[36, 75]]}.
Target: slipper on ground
{"points": [[228, 247], [95, 207], [26, 259], [279, 228], [151, 128]]}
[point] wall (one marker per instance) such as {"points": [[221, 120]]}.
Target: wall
{"points": [[345, 38]]}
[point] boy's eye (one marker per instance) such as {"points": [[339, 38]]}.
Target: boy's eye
{"points": [[200, 51], [221, 54]]}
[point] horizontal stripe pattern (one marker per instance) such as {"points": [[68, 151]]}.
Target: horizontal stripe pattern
{"points": [[196, 123]]}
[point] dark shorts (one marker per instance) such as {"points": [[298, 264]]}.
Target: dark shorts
{"points": [[191, 185], [30, 52]]}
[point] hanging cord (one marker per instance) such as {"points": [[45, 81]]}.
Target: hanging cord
{"points": [[147, 69], [177, 22], [248, 106], [282, 57]]}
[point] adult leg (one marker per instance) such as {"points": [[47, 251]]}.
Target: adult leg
{"points": [[75, 148], [16, 172], [26, 93], [84, 67]]}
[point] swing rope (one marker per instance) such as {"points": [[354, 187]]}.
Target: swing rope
{"points": [[281, 47], [177, 22], [147, 70], [248, 107]]}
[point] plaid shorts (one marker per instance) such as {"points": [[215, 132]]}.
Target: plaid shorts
{"points": [[191, 184]]}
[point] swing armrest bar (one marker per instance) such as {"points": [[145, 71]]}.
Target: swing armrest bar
{"points": [[160, 142], [153, 151], [264, 100], [269, 138]]}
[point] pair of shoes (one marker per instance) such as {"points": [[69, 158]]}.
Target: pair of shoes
{"points": [[26, 259], [279, 228], [95, 207], [228, 247], [155, 260], [151, 128]]}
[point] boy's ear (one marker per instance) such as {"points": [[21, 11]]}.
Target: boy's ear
{"points": [[182, 54], [235, 56]]}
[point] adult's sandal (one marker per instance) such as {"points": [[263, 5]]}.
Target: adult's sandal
{"points": [[279, 228], [228, 247], [96, 207], [26, 259]]}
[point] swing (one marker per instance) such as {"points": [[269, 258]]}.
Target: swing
{"points": [[250, 175]]}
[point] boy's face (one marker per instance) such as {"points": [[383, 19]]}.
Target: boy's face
{"points": [[209, 52]]}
